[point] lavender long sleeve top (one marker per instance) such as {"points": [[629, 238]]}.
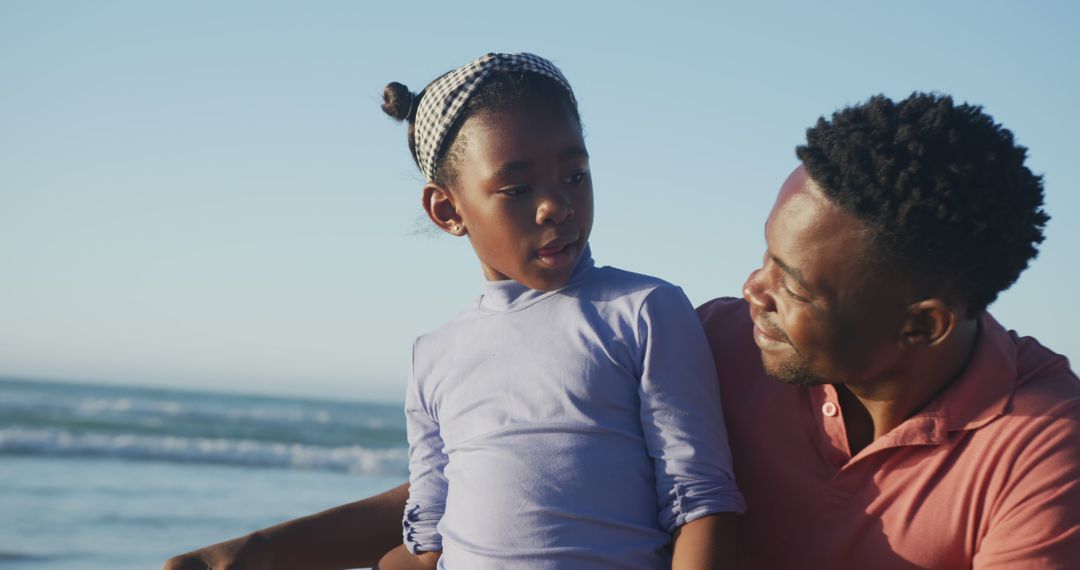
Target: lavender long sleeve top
{"points": [[574, 428]]}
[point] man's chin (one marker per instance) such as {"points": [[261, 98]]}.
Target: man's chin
{"points": [[793, 373]]}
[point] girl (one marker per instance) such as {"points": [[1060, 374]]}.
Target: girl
{"points": [[571, 417]]}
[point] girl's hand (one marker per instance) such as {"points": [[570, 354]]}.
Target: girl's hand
{"points": [[707, 543], [401, 559]]}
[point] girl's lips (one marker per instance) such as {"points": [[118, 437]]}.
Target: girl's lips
{"points": [[552, 250], [557, 256]]}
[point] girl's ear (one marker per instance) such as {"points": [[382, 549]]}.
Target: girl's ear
{"points": [[441, 206]]}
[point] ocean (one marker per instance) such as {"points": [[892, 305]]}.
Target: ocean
{"points": [[95, 476]]}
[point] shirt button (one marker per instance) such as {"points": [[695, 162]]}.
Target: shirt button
{"points": [[829, 409]]}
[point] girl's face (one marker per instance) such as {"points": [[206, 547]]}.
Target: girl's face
{"points": [[523, 193]]}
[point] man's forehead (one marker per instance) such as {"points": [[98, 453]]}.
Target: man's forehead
{"points": [[801, 204], [809, 232], [800, 184]]}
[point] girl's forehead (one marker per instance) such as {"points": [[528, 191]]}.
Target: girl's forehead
{"points": [[527, 114], [534, 129]]}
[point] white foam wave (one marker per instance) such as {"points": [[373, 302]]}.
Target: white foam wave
{"points": [[121, 407], [351, 459]]}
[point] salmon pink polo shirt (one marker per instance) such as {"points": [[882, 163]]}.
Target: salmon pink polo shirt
{"points": [[987, 475]]}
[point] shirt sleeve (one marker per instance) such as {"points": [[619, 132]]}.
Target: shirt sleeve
{"points": [[1036, 522], [427, 479], [681, 416]]}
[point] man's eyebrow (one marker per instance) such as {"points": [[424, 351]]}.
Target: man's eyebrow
{"points": [[794, 273], [575, 152]]}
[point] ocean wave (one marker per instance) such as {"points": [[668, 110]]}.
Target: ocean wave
{"points": [[16, 556], [349, 459], [127, 406]]}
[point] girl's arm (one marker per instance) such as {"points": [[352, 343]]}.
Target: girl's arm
{"points": [[349, 536], [427, 489], [683, 424], [705, 543], [428, 485]]}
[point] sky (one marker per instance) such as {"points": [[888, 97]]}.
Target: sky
{"points": [[206, 195]]}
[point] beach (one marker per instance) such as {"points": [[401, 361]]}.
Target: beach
{"points": [[95, 476]]}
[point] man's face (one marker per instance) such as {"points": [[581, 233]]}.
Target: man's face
{"points": [[820, 314]]}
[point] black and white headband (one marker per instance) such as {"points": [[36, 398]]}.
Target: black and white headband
{"points": [[442, 101]]}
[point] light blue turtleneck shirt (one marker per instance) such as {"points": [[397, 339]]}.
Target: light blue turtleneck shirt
{"points": [[574, 428]]}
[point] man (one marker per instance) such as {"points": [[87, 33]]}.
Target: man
{"points": [[911, 430], [908, 429]]}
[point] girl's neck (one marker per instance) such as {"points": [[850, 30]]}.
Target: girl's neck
{"points": [[510, 295]]}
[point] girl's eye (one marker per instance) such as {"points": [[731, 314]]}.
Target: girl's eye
{"points": [[514, 191]]}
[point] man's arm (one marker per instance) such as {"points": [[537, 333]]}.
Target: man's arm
{"points": [[708, 542], [349, 536]]}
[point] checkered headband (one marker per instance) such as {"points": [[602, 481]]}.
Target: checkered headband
{"points": [[442, 102]]}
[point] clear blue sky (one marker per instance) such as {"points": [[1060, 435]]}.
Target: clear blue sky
{"points": [[205, 194]]}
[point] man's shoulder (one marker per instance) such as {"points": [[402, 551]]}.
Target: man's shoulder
{"points": [[722, 311], [1041, 413], [1034, 451], [1046, 385], [730, 332], [726, 320], [1042, 379]]}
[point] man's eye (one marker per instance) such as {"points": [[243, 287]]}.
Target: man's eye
{"points": [[578, 177], [795, 296]]}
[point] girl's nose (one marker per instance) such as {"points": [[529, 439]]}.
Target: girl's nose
{"points": [[554, 208], [755, 291]]}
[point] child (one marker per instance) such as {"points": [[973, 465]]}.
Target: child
{"points": [[571, 417]]}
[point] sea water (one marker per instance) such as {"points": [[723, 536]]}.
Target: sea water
{"points": [[117, 477]]}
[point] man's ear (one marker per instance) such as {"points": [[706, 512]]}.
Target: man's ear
{"points": [[928, 323], [441, 206]]}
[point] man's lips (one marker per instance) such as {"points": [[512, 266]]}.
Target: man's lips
{"points": [[766, 335]]}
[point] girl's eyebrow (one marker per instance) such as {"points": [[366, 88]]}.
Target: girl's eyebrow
{"points": [[523, 165], [513, 166]]}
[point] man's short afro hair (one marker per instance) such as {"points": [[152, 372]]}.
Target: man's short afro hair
{"points": [[942, 188]]}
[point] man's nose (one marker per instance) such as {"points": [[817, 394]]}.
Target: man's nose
{"points": [[755, 290]]}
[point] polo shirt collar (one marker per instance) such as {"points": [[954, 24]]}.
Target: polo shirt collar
{"points": [[984, 388], [978, 396]]}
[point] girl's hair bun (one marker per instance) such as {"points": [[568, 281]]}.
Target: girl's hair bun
{"points": [[399, 102]]}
